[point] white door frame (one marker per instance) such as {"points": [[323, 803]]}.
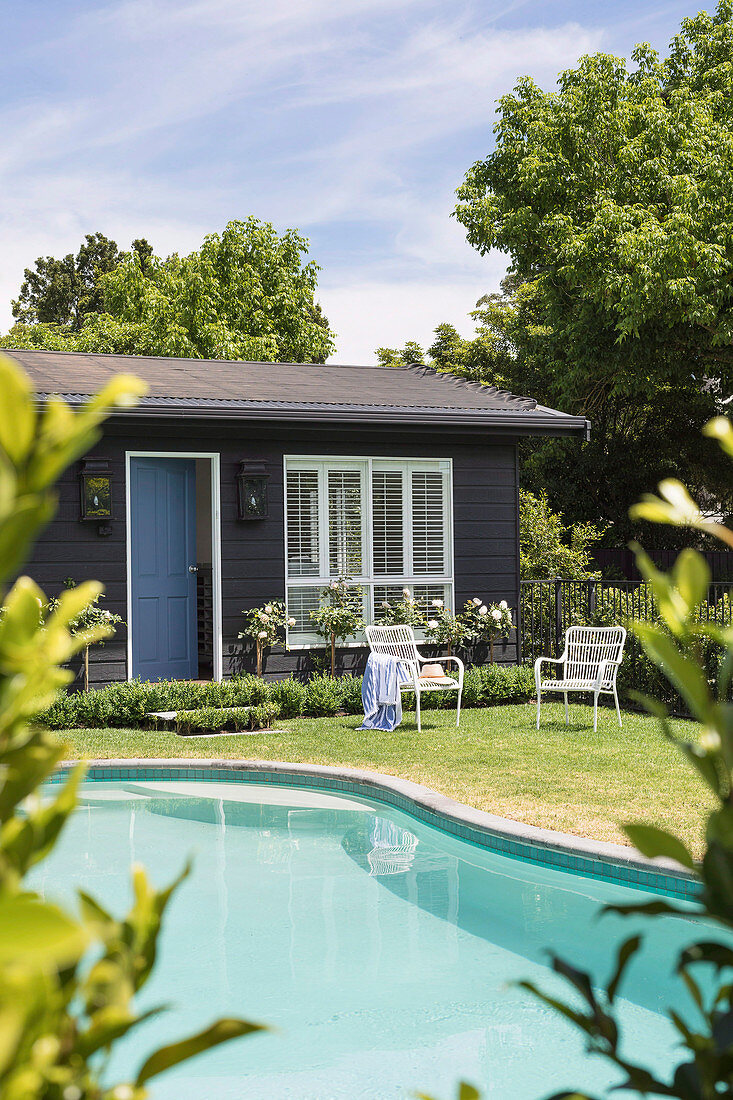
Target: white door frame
{"points": [[215, 467]]}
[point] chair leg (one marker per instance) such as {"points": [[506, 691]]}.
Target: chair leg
{"points": [[566, 707], [417, 708], [618, 708], [595, 712], [458, 709], [539, 704]]}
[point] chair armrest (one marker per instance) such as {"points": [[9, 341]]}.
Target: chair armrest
{"points": [[546, 660]]}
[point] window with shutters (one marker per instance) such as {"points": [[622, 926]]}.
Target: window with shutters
{"points": [[385, 524]]}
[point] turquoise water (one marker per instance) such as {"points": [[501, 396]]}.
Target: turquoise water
{"points": [[379, 948]]}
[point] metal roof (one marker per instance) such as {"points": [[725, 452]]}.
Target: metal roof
{"points": [[296, 391]]}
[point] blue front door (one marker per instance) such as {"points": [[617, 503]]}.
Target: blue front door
{"points": [[163, 585]]}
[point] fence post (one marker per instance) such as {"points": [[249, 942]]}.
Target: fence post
{"points": [[558, 615], [591, 599]]}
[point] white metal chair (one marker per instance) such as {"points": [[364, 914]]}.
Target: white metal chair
{"points": [[399, 641], [590, 663]]}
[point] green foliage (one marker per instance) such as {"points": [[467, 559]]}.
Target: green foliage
{"points": [[90, 616], [339, 615], [350, 687], [485, 622], [705, 1068], [405, 611], [408, 356], [127, 703], [67, 982], [266, 625], [323, 696], [612, 194], [289, 696], [213, 719], [245, 294], [63, 292], [549, 548], [445, 628]]}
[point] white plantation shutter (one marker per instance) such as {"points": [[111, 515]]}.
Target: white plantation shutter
{"points": [[385, 523], [388, 551], [302, 516], [344, 523], [428, 522]]}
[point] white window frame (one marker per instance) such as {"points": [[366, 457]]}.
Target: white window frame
{"points": [[368, 579]]}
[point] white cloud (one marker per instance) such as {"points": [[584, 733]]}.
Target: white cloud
{"points": [[370, 313], [166, 118]]}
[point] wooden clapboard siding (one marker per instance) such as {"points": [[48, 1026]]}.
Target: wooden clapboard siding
{"points": [[485, 495]]}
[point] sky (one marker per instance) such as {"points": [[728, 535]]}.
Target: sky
{"points": [[352, 120]]}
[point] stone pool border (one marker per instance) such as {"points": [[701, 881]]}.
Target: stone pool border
{"points": [[562, 851]]}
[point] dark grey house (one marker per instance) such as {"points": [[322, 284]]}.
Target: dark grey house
{"points": [[235, 483]]}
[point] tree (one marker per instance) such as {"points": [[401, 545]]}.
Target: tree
{"points": [[613, 197], [547, 547], [64, 292], [245, 294], [410, 355], [67, 981]]}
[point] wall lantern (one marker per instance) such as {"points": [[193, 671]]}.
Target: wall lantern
{"points": [[252, 490], [96, 495]]}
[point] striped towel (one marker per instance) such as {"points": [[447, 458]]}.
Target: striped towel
{"points": [[380, 692]]}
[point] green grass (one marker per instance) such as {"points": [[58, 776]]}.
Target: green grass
{"points": [[565, 778]]}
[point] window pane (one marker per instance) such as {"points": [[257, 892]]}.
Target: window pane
{"points": [[387, 534], [344, 523], [302, 506], [301, 601], [428, 536]]}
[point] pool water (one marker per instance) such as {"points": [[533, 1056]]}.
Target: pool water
{"points": [[380, 949]]}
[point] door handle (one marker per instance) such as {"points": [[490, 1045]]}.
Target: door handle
{"points": [[193, 568]]}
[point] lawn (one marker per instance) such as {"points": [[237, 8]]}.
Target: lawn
{"points": [[565, 778]]}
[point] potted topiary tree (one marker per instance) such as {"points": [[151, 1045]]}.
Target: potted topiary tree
{"points": [[265, 626], [87, 622], [339, 616]]}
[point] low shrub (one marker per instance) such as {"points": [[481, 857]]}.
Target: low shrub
{"points": [[289, 695], [213, 719], [351, 694], [322, 697], [262, 716], [126, 704]]}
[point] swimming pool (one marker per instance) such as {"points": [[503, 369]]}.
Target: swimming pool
{"points": [[380, 947]]}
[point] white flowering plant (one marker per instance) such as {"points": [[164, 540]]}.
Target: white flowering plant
{"points": [[485, 622], [266, 625], [444, 627], [339, 615], [87, 622], [405, 611]]}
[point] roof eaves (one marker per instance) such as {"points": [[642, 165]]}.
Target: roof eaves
{"points": [[509, 421]]}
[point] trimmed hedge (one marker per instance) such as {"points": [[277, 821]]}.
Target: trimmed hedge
{"points": [[126, 704], [212, 719]]}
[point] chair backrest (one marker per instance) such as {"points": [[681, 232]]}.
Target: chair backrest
{"points": [[394, 641], [587, 646]]}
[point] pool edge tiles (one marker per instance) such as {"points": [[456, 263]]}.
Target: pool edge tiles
{"points": [[527, 843]]}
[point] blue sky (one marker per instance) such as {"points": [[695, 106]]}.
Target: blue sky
{"points": [[353, 120]]}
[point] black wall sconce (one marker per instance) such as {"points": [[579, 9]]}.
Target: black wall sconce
{"points": [[95, 484], [252, 490]]}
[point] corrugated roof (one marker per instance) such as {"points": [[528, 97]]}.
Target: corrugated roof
{"points": [[289, 390]]}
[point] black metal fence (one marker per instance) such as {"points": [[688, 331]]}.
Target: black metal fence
{"points": [[549, 607]]}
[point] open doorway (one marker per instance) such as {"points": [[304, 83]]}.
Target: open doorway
{"points": [[173, 566]]}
